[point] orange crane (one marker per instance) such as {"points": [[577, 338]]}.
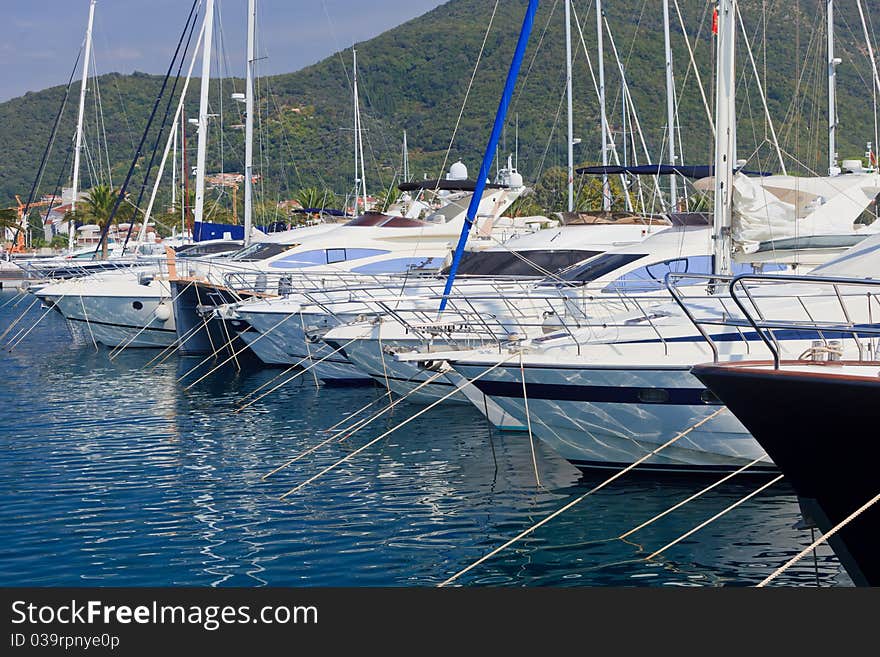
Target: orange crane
{"points": [[19, 245]]}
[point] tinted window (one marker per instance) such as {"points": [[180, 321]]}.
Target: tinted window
{"points": [[335, 255], [260, 251], [599, 266], [192, 250], [518, 263]]}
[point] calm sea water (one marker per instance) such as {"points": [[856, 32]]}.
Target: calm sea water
{"points": [[112, 474]]}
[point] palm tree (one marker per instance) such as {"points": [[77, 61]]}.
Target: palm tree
{"points": [[9, 218], [312, 197], [387, 198], [99, 204]]}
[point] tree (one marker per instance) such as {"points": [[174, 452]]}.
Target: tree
{"points": [[8, 219], [386, 198], [99, 204], [312, 197]]}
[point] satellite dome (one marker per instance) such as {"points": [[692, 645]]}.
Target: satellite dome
{"points": [[458, 171]]}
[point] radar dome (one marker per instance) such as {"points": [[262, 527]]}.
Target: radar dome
{"points": [[458, 171]]}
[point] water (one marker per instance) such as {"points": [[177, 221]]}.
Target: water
{"points": [[111, 474]]}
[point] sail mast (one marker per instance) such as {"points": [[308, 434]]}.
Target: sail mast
{"points": [[568, 94], [71, 225], [606, 191], [670, 105], [198, 214], [249, 124], [833, 169], [725, 135]]}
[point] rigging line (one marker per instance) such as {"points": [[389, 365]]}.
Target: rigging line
{"points": [[48, 151], [115, 77], [58, 188], [812, 546], [540, 42], [609, 132], [389, 432], [156, 103], [294, 377], [103, 125], [873, 66], [714, 518], [761, 91], [158, 140], [467, 92], [635, 117], [693, 64], [375, 416], [580, 498]]}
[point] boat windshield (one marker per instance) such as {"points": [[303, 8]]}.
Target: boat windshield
{"points": [[261, 251], [599, 266]]}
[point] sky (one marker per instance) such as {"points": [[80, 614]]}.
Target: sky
{"points": [[41, 40]]}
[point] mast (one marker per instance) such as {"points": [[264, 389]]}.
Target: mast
{"points": [[198, 215], [405, 159], [249, 124], [568, 94], [184, 172], [71, 225], [670, 105], [359, 175], [833, 169], [725, 135], [606, 191], [174, 169]]}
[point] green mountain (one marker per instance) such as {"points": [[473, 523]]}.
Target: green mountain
{"points": [[415, 78]]}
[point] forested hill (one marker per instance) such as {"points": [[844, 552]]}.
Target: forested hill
{"points": [[415, 77]]}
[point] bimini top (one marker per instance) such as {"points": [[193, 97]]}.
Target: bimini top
{"points": [[697, 171], [446, 185]]}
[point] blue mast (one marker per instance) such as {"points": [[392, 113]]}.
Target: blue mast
{"points": [[492, 145]]}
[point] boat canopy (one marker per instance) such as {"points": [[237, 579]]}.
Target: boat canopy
{"points": [[444, 185], [692, 171]]}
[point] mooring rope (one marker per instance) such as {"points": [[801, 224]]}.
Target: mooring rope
{"points": [[120, 348], [713, 518], [389, 432], [18, 319], [812, 546], [522, 374], [581, 498], [353, 429], [258, 338], [295, 376]]}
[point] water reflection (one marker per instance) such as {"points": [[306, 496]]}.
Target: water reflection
{"points": [[112, 474]]}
